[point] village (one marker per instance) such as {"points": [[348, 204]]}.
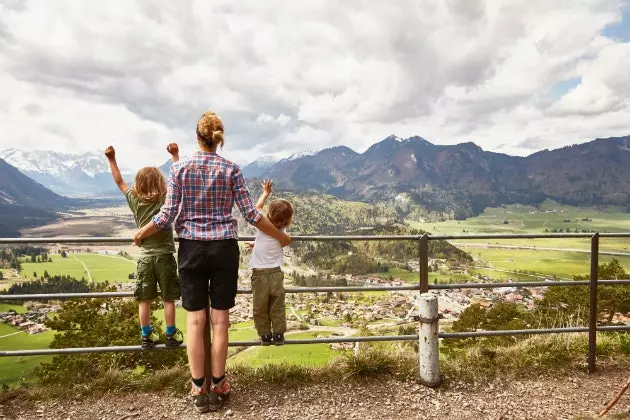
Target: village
{"points": [[32, 321]]}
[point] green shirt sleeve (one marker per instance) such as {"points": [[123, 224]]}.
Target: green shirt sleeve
{"points": [[132, 201]]}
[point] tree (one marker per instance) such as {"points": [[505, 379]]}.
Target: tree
{"points": [[1, 275], [85, 323], [571, 302], [470, 319], [64, 254], [34, 274]]}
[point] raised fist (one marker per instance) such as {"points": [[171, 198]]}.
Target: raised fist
{"points": [[173, 149], [110, 153]]}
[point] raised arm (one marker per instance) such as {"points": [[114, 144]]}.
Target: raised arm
{"points": [[253, 216], [267, 185], [165, 218], [173, 149], [110, 153]]}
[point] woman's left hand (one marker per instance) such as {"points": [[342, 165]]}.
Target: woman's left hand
{"points": [[138, 238]]}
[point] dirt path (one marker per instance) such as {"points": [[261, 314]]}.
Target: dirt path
{"points": [[576, 397], [85, 267]]}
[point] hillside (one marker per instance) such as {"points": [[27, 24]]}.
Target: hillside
{"points": [[463, 178], [64, 173], [24, 202]]}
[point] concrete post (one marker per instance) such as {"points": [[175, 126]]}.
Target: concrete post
{"points": [[429, 343]]}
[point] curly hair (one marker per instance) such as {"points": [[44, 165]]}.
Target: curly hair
{"points": [[280, 213], [210, 129], [150, 185]]}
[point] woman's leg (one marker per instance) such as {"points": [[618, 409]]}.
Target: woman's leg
{"points": [[220, 323], [196, 321]]}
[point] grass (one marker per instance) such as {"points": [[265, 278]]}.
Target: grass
{"points": [[15, 370], [534, 356], [542, 263], [312, 355], [5, 307], [549, 215], [101, 267], [553, 355]]}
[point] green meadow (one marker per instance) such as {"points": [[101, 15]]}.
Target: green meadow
{"points": [[17, 370], [110, 268], [302, 354], [530, 219]]}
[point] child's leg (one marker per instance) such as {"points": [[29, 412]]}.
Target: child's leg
{"points": [[260, 290], [166, 273], [277, 309], [144, 309], [146, 292], [169, 315]]}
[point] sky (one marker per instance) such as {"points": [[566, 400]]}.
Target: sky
{"points": [[512, 76]]}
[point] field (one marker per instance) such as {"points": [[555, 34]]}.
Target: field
{"points": [[547, 216], [303, 354], [4, 307], [20, 369], [96, 267], [530, 259]]}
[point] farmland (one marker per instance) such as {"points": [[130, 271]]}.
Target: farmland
{"points": [[545, 218], [96, 267]]}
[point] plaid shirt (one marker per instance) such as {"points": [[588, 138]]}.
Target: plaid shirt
{"points": [[206, 186]]}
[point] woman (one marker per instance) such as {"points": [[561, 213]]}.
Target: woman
{"points": [[207, 186]]}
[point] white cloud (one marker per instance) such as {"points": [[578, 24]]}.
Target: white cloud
{"points": [[290, 76]]}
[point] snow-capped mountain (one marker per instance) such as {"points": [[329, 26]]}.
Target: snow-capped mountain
{"points": [[65, 173], [259, 166], [300, 155]]}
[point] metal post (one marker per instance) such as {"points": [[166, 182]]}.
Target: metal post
{"points": [[592, 320], [424, 263], [429, 342]]}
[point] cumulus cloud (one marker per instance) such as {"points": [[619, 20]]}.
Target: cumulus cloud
{"points": [[290, 76]]}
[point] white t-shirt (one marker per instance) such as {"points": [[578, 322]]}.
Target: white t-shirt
{"points": [[267, 252]]}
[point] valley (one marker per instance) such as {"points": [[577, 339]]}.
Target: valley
{"points": [[323, 315], [339, 192]]}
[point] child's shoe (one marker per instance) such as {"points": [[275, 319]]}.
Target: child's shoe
{"points": [[218, 394], [265, 340], [278, 339], [149, 341], [175, 339]]}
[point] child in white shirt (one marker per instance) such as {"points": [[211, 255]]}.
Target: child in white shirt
{"points": [[267, 277]]}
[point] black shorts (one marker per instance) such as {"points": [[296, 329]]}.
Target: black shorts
{"points": [[215, 262]]}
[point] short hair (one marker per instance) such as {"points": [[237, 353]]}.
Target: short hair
{"points": [[150, 185], [280, 213], [210, 129]]}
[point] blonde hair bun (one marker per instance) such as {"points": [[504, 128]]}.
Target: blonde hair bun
{"points": [[210, 129]]}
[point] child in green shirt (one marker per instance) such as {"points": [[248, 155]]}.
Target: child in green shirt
{"points": [[157, 264]]}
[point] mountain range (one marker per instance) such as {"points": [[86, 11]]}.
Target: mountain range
{"points": [[462, 178], [24, 202], [73, 175]]}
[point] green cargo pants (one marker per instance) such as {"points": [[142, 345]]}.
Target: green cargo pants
{"points": [[269, 310]]}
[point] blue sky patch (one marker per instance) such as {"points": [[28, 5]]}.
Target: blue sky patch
{"points": [[561, 88], [620, 31]]}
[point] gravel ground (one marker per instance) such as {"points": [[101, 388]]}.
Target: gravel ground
{"points": [[572, 397]]}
